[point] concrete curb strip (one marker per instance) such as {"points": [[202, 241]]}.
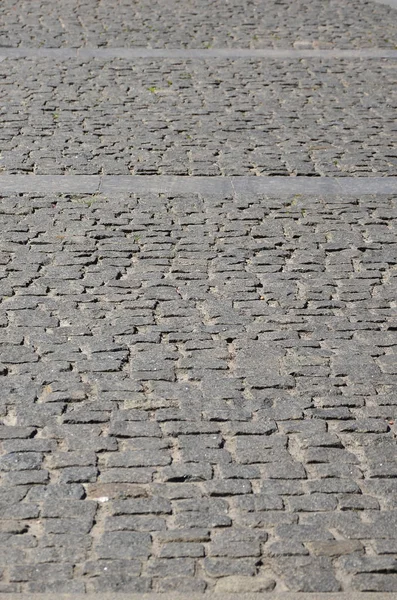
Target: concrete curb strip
{"points": [[173, 596], [91, 184], [196, 54], [392, 3]]}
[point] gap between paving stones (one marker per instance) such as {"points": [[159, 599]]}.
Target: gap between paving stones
{"points": [[133, 53], [91, 184]]}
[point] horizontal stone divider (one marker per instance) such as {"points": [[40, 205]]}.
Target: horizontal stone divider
{"points": [[392, 3], [284, 186], [198, 53], [166, 184], [50, 184], [315, 185], [207, 596]]}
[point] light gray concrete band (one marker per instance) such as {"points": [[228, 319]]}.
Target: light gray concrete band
{"points": [[49, 184], [284, 186], [205, 596], [392, 3], [249, 185], [61, 54]]}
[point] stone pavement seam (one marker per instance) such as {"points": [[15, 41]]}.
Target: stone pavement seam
{"points": [[392, 3], [166, 53], [217, 596], [157, 183]]}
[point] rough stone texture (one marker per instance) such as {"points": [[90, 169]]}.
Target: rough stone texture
{"points": [[198, 392], [260, 117], [198, 383], [198, 24]]}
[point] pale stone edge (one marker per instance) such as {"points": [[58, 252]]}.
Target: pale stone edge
{"points": [[206, 596], [391, 3], [196, 53], [281, 186]]}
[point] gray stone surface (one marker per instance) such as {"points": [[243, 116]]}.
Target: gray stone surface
{"points": [[259, 117], [201, 23], [116, 184], [392, 3], [198, 596], [198, 324], [198, 388], [197, 54]]}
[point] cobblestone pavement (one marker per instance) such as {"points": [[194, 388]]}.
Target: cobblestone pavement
{"points": [[218, 117], [197, 23], [198, 384]]}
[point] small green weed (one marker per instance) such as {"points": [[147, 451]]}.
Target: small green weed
{"points": [[86, 201]]}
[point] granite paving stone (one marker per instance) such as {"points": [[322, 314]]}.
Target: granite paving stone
{"points": [[230, 117], [198, 332], [237, 419], [198, 24]]}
